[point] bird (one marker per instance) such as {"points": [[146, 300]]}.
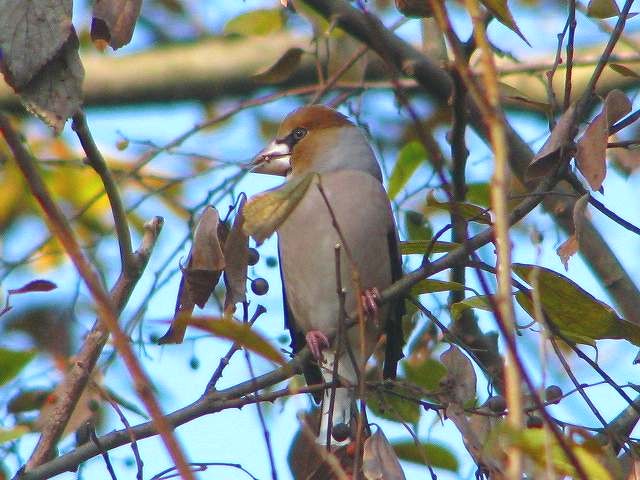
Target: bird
{"points": [[347, 208]]}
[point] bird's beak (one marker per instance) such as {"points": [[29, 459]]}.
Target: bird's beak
{"points": [[274, 159]]}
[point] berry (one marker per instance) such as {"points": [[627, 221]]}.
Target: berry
{"points": [[259, 286], [534, 422], [553, 394], [254, 256], [340, 432], [194, 363], [497, 404], [272, 262]]}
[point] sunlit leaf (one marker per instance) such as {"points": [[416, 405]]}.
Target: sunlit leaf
{"points": [[426, 374], [431, 285], [396, 404], [240, 333], [410, 157], [500, 9], [256, 22], [478, 301], [622, 70], [573, 310], [6, 435], [418, 227], [467, 211], [12, 361], [427, 453], [419, 247], [603, 9]]}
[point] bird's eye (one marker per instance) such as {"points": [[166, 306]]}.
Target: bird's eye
{"points": [[298, 133]]}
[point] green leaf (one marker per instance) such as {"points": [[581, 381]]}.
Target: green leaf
{"points": [[603, 9], [6, 435], [427, 453], [500, 10], [430, 285], [256, 22], [622, 70], [409, 159], [468, 211], [478, 194], [426, 374], [478, 301], [573, 310], [284, 67], [12, 361], [419, 247], [418, 227], [393, 406], [240, 333]]}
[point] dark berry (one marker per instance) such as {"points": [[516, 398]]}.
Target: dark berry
{"points": [[272, 262], [497, 404], [534, 422], [254, 256], [553, 394], [340, 432], [194, 363], [259, 286]]}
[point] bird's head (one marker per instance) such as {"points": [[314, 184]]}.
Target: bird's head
{"points": [[316, 139]]}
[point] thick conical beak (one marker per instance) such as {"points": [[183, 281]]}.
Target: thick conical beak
{"points": [[274, 159]]}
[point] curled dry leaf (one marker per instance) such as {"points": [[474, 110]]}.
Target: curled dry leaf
{"points": [[200, 277], [265, 212], [284, 67], [572, 244], [236, 255], [379, 460], [114, 21], [34, 286], [546, 160], [592, 147]]}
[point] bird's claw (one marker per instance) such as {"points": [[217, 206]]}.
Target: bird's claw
{"points": [[370, 299], [317, 342]]}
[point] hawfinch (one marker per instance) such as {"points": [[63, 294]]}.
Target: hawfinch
{"points": [[319, 140]]}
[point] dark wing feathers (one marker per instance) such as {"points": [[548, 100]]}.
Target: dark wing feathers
{"points": [[393, 328]]}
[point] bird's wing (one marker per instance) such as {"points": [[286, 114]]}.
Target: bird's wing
{"points": [[310, 369], [393, 328]]}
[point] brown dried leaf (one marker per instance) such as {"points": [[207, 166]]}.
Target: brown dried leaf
{"points": [[622, 70], [236, 254], [31, 34], [284, 67], [114, 21], [265, 212], [592, 147], [379, 460], [460, 381], [55, 93], [568, 248], [546, 160], [204, 267], [627, 160], [34, 286]]}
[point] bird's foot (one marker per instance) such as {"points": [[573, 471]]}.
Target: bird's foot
{"points": [[317, 342], [370, 299]]}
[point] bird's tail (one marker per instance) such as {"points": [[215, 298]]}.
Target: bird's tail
{"points": [[344, 410]]}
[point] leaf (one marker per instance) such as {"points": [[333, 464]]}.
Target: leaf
{"points": [[478, 301], [34, 286], [32, 33], [55, 93], [393, 405], [426, 374], [410, 157], [12, 361], [114, 21], [427, 453], [414, 8], [419, 247], [379, 460], [7, 435], [567, 249], [461, 378], [240, 333], [284, 67], [546, 160], [417, 226], [236, 257], [256, 22], [622, 70], [572, 244], [603, 9], [573, 310], [592, 147], [265, 212], [511, 93], [431, 285], [469, 212], [204, 267], [500, 10]]}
